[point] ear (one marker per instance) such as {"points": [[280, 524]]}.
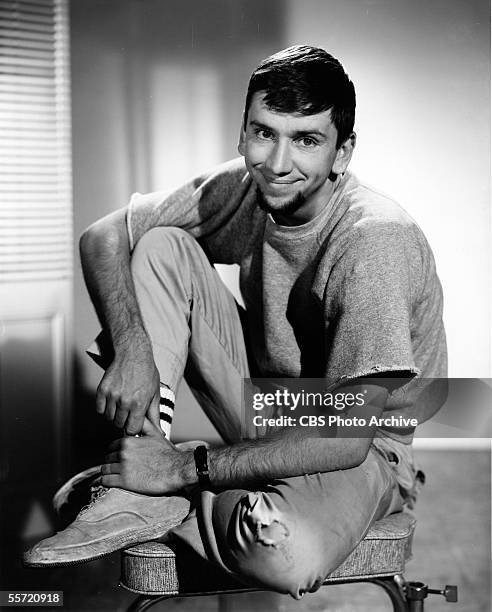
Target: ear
{"points": [[344, 154], [242, 138]]}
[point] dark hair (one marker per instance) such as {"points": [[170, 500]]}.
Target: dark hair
{"points": [[305, 80]]}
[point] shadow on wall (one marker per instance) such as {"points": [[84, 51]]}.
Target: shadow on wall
{"points": [[91, 433], [157, 96]]}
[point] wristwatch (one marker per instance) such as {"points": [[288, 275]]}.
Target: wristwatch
{"points": [[201, 462]]}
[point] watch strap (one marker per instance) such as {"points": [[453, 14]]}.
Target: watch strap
{"points": [[201, 462]]}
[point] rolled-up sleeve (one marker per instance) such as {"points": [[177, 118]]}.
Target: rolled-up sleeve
{"points": [[369, 306], [201, 206]]}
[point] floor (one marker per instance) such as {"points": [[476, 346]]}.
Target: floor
{"points": [[452, 545]]}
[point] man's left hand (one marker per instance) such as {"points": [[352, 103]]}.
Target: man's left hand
{"points": [[148, 464]]}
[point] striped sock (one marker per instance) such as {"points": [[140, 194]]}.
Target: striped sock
{"points": [[166, 409]]}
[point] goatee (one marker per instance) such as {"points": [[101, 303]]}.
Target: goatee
{"points": [[287, 208]]}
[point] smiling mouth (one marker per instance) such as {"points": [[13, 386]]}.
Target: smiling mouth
{"points": [[279, 182], [279, 187]]}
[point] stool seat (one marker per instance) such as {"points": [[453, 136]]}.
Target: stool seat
{"points": [[153, 568]]}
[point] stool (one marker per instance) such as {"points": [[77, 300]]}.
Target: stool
{"points": [[155, 572]]}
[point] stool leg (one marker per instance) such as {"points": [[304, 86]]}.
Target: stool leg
{"points": [[393, 591], [144, 602]]}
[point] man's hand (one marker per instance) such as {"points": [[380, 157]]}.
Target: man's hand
{"points": [[149, 464], [129, 390]]}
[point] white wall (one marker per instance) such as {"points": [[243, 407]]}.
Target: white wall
{"points": [[157, 95], [422, 73]]}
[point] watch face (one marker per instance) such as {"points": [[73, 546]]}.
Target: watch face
{"points": [[200, 454]]}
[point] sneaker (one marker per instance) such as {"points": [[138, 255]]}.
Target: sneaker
{"points": [[114, 519], [78, 491]]}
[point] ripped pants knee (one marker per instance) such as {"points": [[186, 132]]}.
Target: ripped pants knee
{"points": [[268, 547]]}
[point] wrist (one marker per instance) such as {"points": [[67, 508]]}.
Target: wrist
{"points": [[187, 469]]}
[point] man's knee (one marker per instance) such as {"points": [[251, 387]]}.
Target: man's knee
{"points": [[163, 241], [270, 549], [167, 252]]}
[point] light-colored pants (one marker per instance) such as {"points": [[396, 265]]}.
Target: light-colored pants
{"points": [[288, 534]]}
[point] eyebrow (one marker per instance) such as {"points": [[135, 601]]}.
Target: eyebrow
{"points": [[298, 134]]}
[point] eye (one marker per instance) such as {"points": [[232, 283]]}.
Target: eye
{"points": [[263, 134], [308, 142]]}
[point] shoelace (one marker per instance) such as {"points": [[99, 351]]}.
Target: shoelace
{"points": [[97, 492]]}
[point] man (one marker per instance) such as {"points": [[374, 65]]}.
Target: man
{"points": [[338, 283]]}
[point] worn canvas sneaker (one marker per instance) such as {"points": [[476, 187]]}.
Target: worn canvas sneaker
{"points": [[114, 519], [78, 491], [75, 494]]}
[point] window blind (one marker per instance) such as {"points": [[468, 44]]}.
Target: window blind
{"points": [[35, 151]]}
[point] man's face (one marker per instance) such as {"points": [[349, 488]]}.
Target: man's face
{"points": [[291, 158]]}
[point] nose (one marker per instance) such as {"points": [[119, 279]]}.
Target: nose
{"points": [[279, 161]]}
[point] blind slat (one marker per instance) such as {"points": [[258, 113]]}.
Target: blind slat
{"points": [[60, 235], [19, 34], [30, 167], [32, 54], [7, 189], [28, 231], [26, 84], [10, 101], [27, 71], [11, 60], [34, 147], [49, 176], [16, 44], [19, 199], [32, 267], [39, 115], [19, 277], [32, 214], [29, 4], [19, 23], [18, 162], [42, 241], [32, 132], [25, 16]]}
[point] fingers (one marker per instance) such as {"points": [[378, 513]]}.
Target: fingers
{"points": [[111, 408], [100, 400], [120, 416], [108, 480], [149, 429], [127, 392], [110, 468], [153, 412], [112, 480], [124, 414], [108, 404], [134, 422]]}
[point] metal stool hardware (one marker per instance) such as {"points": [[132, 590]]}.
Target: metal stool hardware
{"points": [[416, 592]]}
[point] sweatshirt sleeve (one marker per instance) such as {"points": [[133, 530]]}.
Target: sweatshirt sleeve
{"points": [[201, 206], [368, 314]]}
